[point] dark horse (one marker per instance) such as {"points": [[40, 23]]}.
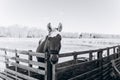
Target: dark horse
{"points": [[52, 42]]}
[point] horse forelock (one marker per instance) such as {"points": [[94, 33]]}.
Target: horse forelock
{"points": [[54, 33]]}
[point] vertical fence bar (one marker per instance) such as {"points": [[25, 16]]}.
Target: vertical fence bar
{"points": [[49, 67], [6, 60], [75, 58], [46, 71], [17, 56], [16, 68], [99, 54], [90, 56], [53, 72], [108, 54], [29, 59], [54, 60], [117, 54], [119, 51], [99, 57], [114, 52]]}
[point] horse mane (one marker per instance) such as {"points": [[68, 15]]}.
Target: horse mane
{"points": [[43, 39]]}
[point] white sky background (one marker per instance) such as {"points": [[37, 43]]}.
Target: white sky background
{"points": [[100, 16]]}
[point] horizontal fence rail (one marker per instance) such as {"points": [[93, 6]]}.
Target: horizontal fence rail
{"points": [[42, 55], [85, 52]]}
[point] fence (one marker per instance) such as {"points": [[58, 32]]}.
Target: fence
{"points": [[15, 70], [99, 68]]}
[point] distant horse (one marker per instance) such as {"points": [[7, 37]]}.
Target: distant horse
{"points": [[52, 42]]}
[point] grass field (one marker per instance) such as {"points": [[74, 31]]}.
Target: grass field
{"points": [[68, 44]]}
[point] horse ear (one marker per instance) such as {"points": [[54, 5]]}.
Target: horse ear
{"points": [[49, 27], [60, 27]]}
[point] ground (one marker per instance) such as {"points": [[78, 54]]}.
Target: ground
{"points": [[68, 44]]}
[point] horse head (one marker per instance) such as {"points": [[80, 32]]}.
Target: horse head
{"points": [[52, 43], [53, 39]]}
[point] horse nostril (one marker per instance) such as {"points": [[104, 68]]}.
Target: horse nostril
{"points": [[54, 59]]}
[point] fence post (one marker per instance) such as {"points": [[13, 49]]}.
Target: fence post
{"points": [[17, 56], [30, 59], [75, 58], [119, 51], [51, 61], [108, 54], [54, 61], [48, 68], [6, 59], [90, 56], [114, 52], [99, 57]]}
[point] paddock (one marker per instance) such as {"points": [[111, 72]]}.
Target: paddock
{"points": [[99, 67]]}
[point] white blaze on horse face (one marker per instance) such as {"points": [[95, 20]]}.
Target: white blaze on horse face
{"points": [[54, 32]]}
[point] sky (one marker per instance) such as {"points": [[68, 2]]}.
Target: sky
{"points": [[93, 16]]}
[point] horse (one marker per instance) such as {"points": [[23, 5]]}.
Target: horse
{"points": [[52, 42]]}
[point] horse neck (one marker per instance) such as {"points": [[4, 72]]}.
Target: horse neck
{"points": [[41, 46]]}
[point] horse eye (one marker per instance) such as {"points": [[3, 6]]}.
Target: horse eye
{"points": [[49, 38], [59, 36], [56, 28]]}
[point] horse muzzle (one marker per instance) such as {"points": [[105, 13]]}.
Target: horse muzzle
{"points": [[54, 56]]}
